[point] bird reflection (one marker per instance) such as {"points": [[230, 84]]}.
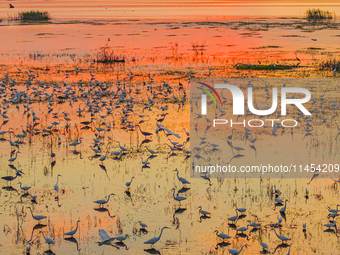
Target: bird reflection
{"points": [[49, 252], [203, 217], [152, 251], [221, 245], [73, 240], [105, 210], [122, 245], [280, 246]]}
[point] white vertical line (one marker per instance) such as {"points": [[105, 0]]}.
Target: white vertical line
{"points": [[204, 104]]}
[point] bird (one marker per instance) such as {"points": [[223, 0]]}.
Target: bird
{"points": [[25, 188], [222, 235], [281, 237], [129, 183], [279, 220], [121, 238], [264, 246], [204, 213], [181, 179], [154, 240], [151, 151], [307, 193], [333, 210], [331, 225], [241, 210], [234, 218], [48, 240], [72, 232], [28, 248], [236, 252], [242, 229], [142, 225], [254, 224], [145, 163], [37, 217], [75, 143], [178, 198], [283, 209], [146, 134], [56, 187], [102, 202], [10, 178], [14, 158], [106, 239]]}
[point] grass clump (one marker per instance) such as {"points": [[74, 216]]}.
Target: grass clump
{"points": [[34, 16], [317, 14], [106, 56], [330, 63], [263, 67]]}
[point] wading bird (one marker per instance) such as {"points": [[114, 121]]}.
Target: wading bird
{"points": [[222, 235], [37, 217], [102, 202], [72, 232], [154, 240]]}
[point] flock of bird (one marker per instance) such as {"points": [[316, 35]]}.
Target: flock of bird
{"points": [[104, 107]]}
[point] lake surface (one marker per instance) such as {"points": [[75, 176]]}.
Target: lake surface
{"points": [[164, 45]]}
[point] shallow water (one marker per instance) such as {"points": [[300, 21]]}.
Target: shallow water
{"points": [[150, 199], [146, 35]]}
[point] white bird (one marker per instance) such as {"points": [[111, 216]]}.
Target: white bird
{"points": [[234, 218], [283, 209], [222, 235], [241, 210], [56, 187], [331, 225], [75, 143], [154, 240], [142, 225], [106, 239], [333, 210], [242, 229], [236, 252], [177, 198], [151, 151], [102, 202], [37, 217], [48, 240], [13, 159], [129, 183], [279, 201], [279, 220], [25, 188], [181, 179], [281, 237], [264, 246], [72, 232], [204, 213], [121, 238], [254, 224]]}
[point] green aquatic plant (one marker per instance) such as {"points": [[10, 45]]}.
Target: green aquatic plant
{"points": [[34, 16]]}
